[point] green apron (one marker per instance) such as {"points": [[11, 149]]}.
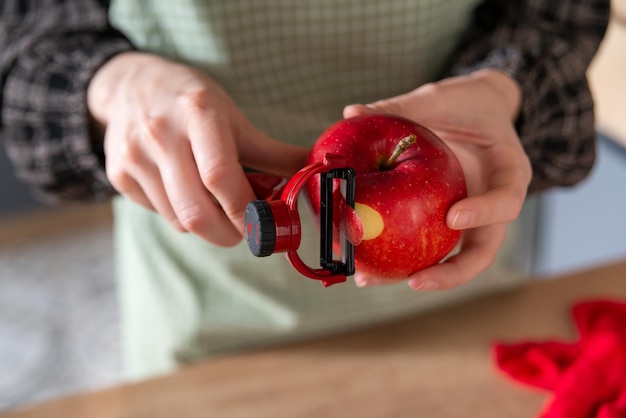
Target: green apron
{"points": [[291, 66]]}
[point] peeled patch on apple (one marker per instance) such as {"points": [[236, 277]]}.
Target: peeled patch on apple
{"points": [[407, 180]]}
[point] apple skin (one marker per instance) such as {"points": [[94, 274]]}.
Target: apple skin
{"points": [[402, 208]]}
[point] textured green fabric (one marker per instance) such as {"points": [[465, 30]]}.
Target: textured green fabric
{"points": [[291, 66]]}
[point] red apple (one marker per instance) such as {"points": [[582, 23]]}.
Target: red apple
{"points": [[402, 201]]}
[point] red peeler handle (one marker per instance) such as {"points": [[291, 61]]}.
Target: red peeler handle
{"points": [[266, 186], [272, 224]]}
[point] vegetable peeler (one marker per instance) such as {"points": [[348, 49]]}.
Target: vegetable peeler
{"points": [[272, 223]]}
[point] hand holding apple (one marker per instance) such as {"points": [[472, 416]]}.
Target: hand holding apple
{"points": [[474, 115], [407, 180]]}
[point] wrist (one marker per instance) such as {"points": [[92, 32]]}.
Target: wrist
{"points": [[504, 86]]}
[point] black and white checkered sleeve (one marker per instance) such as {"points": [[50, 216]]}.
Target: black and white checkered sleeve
{"points": [[49, 50], [547, 47]]}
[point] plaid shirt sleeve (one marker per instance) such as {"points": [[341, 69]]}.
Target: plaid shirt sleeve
{"points": [[546, 46], [49, 50]]}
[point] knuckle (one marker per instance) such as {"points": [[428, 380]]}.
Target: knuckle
{"points": [[207, 105], [525, 169], [517, 202], [119, 167], [215, 174], [528, 168], [131, 154], [190, 217], [198, 101], [430, 89], [154, 130], [197, 98], [119, 178]]}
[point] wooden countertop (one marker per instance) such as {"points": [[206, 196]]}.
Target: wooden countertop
{"points": [[434, 365], [44, 221]]}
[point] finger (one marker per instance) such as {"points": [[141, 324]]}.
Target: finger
{"points": [[150, 185], [144, 183], [357, 110], [175, 188], [193, 204], [478, 250], [365, 280], [259, 151], [360, 279], [133, 174], [395, 105], [130, 189], [151, 195], [417, 105], [497, 206], [216, 162], [507, 185]]}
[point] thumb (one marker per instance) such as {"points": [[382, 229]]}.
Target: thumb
{"points": [[357, 110], [397, 105]]}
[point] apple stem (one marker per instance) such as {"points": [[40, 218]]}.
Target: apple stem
{"points": [[401, 146]]}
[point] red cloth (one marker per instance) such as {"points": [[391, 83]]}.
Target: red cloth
{"points": [[587, 377]]}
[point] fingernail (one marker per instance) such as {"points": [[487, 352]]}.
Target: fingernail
{"points": [[426, 286], [366, 281], [463, 219], [370, 108], [360, 281]]}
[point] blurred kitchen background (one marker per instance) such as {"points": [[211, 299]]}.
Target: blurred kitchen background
{"points": [[58, 308]]}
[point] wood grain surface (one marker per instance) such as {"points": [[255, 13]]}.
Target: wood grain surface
{"points": [[433, 365]]}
